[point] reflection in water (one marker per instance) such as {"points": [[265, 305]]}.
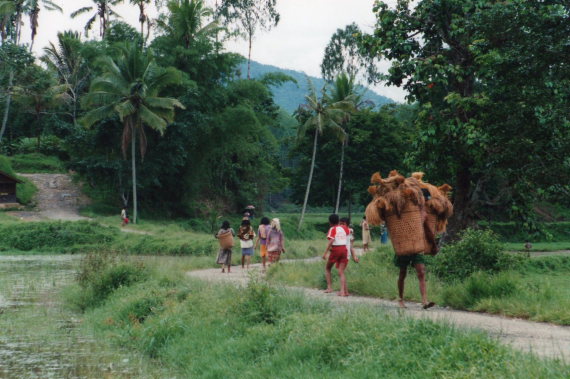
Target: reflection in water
{"points": [[39, 338]]}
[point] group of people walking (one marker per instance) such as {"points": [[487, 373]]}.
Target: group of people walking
{"points": [[339, 250], [269, 239]]}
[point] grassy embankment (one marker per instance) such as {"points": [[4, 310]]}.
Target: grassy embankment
{"points": [[195, 329], [537, 290], [556, 236], [37, 163], [164, 238]]}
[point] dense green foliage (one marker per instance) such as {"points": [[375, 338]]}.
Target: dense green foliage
{"points": [[379, 136], [489, 79], [481, 118]]}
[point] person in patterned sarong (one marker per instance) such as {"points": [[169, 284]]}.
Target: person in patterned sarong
{"points": [[275, 241]]}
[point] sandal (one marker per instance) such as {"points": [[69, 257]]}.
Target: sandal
{"points": [[428, 305]]}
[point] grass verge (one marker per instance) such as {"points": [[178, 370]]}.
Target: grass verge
{"points": [[536, 290], [194, 329]]}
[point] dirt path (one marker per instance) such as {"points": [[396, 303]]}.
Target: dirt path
{"points": [[58, 198], [544, 340]]}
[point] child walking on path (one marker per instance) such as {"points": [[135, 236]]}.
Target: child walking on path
{"points": [[262, 234], [349, 241], [246, 236], [275, 241], [124, 216], [337, 236], [225, 237]]}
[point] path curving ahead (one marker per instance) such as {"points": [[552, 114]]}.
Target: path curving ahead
{"points": [[544, 340]]}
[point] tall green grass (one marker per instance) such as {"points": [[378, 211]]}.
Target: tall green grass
{"points": [[536, 290], [195, 329], [35, 163], [54, 235]]}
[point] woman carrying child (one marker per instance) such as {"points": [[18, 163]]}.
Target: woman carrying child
{"points": [[246, 236], [275, 241], [262, 234], [225, 237]]}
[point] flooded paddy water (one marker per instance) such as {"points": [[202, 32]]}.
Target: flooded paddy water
{"points": [[39, 337]]}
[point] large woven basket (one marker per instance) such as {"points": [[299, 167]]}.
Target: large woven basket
{"points": [[226, 240], [406, 231], [431, 224]]}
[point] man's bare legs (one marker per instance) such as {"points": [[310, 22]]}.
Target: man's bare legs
{"points": [[328, 276], [421, 272], [401, 280]]}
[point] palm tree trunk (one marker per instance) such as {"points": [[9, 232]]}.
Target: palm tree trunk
{"points": [[142, 20], [134, 172], [310, 180], [340, 178], [249, 57], [7, 105]]}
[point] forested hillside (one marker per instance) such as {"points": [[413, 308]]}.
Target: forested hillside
{"points": [[289, 95]]}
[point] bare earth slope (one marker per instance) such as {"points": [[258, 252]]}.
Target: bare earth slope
{"points": [[58, 198], [544, 340]]}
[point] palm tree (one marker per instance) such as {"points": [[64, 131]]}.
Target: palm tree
{"points": [[324, 115], [34, 8], [68, 63], [103, 11], [344, 91], [185, 21], [130, 88], [142, 16]]}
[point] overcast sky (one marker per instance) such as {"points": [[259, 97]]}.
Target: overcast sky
{"points": [[297, 43]]}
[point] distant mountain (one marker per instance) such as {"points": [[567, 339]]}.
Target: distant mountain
{"points": [[290, 95]]}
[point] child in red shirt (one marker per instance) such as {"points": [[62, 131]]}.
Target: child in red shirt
{"points": [[338, 236]]}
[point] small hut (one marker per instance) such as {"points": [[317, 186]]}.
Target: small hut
{"points": [[8, 189]]}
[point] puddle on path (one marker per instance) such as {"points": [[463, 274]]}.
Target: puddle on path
{"points": [[39, 338]]}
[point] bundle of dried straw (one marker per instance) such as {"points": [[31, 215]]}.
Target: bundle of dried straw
{"points": [[400, 203]]}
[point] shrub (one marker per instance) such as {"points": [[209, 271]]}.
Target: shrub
{"points": [[50, 145], [477, 287], [54, 235], [258, 303], [477, 250], [102, 274]]}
